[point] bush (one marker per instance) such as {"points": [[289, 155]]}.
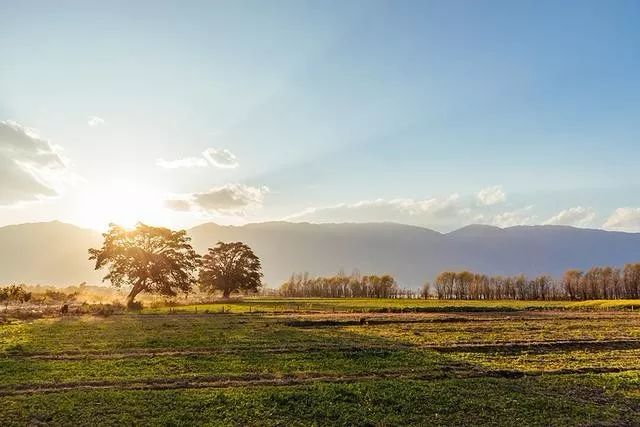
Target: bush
{"points": [[106, 310], [134, 306]]}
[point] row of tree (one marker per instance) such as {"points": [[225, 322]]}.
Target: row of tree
{"points": [[472, 286], [342, 286], [162, 261], [596, 283], [603, 283]]}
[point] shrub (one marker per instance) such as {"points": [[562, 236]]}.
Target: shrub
{"points": [[107, 310], [134, 306]]}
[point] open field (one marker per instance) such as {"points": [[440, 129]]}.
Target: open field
{"points": [[346, 362], [372, 305]]}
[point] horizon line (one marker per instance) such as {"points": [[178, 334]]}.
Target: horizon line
{"points": [[355, 223]]}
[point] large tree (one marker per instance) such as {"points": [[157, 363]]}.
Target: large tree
{"points": [[230, 267], [149, 259]]}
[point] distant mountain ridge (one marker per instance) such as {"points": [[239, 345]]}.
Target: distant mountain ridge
{"points": [[56, 253]]}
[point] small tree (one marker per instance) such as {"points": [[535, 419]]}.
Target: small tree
{"points": [[14, 293], [149, 259], [20, 295], [4, 297], [230, 267], [425, 292]]}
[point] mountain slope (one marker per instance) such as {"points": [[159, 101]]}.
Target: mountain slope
{"points": [[56, 253], [47, 253], [329, 248]]}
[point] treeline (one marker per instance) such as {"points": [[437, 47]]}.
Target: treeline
{"points": [[596, 283], [466, 285], [342, 286], [603, 283]]}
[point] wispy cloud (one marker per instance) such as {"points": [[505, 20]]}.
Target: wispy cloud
{"points": [[94, 121], [187, 162], [235, 199], [220, 158]]}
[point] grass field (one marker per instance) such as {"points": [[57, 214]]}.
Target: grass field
{"points": [[369, 305], [328, 362]]}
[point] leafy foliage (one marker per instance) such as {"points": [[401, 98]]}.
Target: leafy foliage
{"points": [[341, 286], [15, 294], [150, 259], [230, 267]]}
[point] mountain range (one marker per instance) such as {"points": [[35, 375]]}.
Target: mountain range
{"points": [[56, 253]]}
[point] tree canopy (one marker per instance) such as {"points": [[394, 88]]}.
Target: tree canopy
{"points": [[342, 286], [230, 267], [149, 259]]}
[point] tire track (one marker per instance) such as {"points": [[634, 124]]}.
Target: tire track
{"points": [[472, 347], [266, 380]]}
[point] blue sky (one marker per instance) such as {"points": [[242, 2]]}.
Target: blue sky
{"points": [[438, 114]]}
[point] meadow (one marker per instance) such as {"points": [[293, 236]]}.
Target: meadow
{"points": [[270, 361]]}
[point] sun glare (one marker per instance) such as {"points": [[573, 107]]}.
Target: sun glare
{"points": [[122, 202]]}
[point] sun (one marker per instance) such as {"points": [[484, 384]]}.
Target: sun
{"points": [[120, 201]]}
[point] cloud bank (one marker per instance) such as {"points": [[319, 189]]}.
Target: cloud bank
{"points": [[522, 216], [438, 212], [624, 219], [29, 165], [577, 216], [441, 213]]}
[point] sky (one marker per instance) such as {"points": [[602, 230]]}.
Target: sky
{"points": [[432, 113]]}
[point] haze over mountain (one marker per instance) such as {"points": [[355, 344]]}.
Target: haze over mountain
{"points": [[56, 253]]}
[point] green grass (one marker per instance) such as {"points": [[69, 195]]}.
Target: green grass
{"points": [[314, 362], [369, 305], [486, 401]]}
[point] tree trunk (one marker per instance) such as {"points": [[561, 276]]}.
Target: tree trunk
{"points": [[226, 293], [137, 288]]}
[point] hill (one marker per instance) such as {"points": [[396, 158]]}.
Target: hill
{"points": [[47, 253], [56, 253]]}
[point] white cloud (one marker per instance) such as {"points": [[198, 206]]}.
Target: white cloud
{"points": [[521, 216], [188, 162], [577, 216], [180, 205], [220, 158], [491, 196], [446, 212], [234, 199], [30, 166], [94, 121], [624, 219]]}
